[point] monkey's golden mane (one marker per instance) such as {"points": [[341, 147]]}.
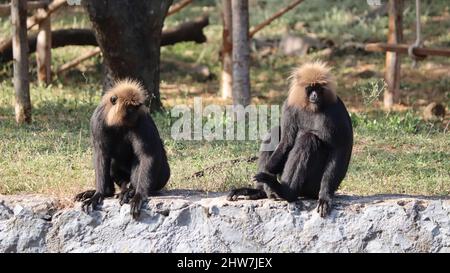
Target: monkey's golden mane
{"points": [[308, 74], [128, 93]]}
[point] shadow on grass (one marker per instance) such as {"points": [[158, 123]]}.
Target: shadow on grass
{"points": [[340, 198]]}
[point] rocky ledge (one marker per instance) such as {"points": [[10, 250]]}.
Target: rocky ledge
{"points": [[188, 221]]}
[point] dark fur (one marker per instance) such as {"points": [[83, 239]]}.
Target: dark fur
{"points": [[129, 153], [312, 157]]}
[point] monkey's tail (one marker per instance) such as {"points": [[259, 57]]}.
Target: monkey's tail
{"points": [[281, 189]]}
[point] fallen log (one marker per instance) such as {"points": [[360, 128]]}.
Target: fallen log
{"points": [[186, 32], [178, 6], [276, 15], [403, 49], [5, 9], [78, 60]]}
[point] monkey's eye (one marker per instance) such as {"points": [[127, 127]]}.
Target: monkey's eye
{"points": [[113, 100]]}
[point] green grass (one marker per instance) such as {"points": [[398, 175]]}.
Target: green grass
{"points": [[394, 152]]}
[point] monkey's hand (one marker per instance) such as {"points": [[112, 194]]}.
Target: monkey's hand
{"points": [[125, 196], [84, 195], [266, 178], [93, 202], [136, 204], [233, 195], [324, 206]]}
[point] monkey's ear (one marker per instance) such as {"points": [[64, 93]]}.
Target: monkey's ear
{"points": [[113, 100]]}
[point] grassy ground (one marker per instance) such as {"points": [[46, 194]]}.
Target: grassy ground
{"points": [[394, 152]]}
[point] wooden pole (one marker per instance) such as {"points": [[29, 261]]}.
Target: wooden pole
{"points": [[5, 9], [43, 49], [273, 17], [395, 36], [52, 7], [35, 19], [403, 49], [20, 61], [226, 80], [241, 53]]}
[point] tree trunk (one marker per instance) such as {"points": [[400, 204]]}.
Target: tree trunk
{"points": [[129, 35], [241, 52], [395, 36], [226, 80], [20, 61]]}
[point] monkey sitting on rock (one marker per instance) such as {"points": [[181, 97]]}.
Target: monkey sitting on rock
{"points": [[128, 150], [316, 143]]}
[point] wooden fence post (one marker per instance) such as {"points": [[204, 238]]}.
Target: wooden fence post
{"points": [[241, 53], [392, 69], [226, 80], [20, 61], [43, 49]]}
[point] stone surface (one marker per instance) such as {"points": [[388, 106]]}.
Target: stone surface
{"points": [[188, 221]]}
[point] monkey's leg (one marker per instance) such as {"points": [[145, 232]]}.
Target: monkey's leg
{"points": [[314, 170], [259, 191], [116, 175], [247, 193], [161, 179], [127, 192], [84, 195], [267, 148], [315, 156], [120, 174], [295, 169], [104, 185]]}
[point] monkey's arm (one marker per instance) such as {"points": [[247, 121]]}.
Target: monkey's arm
{"points": [[333, 174], [142, 177]]}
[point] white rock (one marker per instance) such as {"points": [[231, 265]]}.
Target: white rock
{"points": [[193, 222]]}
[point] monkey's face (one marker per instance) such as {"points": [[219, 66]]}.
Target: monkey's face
{"points": [[312, 87], [123, 104], [124, 110], [315, 93]]}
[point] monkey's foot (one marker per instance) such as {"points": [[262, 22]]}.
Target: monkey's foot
{"points": [[135, 205], [84, 195], [233, 195], [247, 193], [324, 207], [92, 203], [125, 196]]}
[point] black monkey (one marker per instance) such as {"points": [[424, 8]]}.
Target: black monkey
{"points": [[316, 143], [127, 149]]}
